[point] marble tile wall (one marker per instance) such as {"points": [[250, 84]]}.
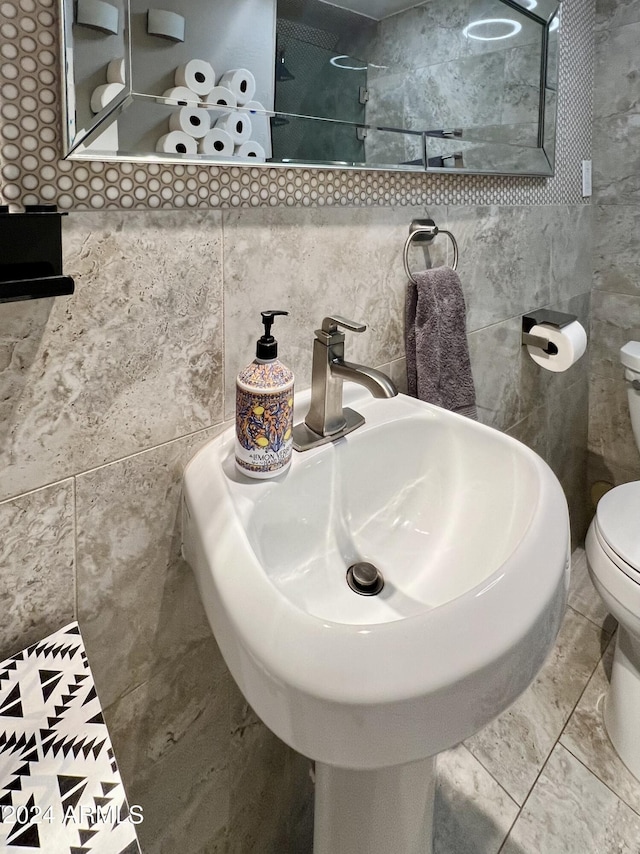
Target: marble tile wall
{"points": [[108, 393], [613, 455], [548, 264], [105, 395], [497, 89]]}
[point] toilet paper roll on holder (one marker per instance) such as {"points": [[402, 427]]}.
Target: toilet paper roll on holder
{"points": [[544, 315]]}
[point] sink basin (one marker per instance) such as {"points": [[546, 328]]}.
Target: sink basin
{"points": [[469, 529], [436, 513]]}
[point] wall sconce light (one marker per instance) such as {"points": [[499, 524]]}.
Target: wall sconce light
{"points": [[98, 15], [166, 25]]}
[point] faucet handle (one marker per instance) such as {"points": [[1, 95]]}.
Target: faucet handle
{"points": [[330, 325]]}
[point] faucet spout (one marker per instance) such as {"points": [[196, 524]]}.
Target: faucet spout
{"points": [[374, 381], [328, 419]]}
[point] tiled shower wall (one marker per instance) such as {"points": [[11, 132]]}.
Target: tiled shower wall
{"points": [[614, 456], [105, 395]]}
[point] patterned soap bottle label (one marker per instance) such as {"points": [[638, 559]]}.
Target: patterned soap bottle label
{"points": [[264, 426]]}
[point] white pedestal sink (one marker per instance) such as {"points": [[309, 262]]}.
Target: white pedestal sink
{"points": [[469, 529]]}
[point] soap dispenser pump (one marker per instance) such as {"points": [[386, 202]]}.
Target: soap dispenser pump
{"points": [[264, 409]]}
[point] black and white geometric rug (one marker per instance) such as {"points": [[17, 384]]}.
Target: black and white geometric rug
{"points": [[60, 789]]}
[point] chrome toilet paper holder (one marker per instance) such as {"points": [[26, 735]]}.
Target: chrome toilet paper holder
{"points": [[544, 315]]}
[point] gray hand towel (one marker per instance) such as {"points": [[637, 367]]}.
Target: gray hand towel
{"points": [[438, 365]]}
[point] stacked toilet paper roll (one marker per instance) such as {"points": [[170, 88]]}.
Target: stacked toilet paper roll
{"points": [[261, 128], [251, 149], [241, 82], [197, 75], [180, 96], [190, 123], [237, 125], [104, 95], [115, 71], [214, 120], [217, 142], [568, 344], [252, 107], [222, 97], [177, 142], [187, 127], [193, 121]]}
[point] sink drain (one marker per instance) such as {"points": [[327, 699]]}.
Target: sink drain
{"points": [[364, 578]]}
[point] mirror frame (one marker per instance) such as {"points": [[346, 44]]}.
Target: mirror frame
{"points": [[75, 141]]}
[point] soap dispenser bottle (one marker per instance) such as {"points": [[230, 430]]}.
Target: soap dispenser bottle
{"points": [[264, 409]]}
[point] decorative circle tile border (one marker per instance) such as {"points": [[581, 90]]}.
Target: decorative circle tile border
{"points": [[32, 171]]}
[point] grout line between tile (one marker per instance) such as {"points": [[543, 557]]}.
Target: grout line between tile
{"points": [[519, 314], [497, 782], [76, 603], [555, 744], [221, 425], [598, 626], [223, 258], [604, 782], [588, 767], [513, 824]]}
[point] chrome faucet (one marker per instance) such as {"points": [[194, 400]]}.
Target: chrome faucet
{"points": [[327, 419]]}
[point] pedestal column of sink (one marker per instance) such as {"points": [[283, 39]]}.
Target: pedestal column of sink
{"points": [[374, 811]]}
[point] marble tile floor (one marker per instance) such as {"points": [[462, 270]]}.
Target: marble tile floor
{"points": [[544, 778]]}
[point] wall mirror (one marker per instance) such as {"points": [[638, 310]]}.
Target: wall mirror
{"points": [[444, 86]]}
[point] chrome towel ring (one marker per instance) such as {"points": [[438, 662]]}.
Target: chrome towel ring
{"points": [[423, 231]]}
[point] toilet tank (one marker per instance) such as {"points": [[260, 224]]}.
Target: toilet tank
{"points": [[630, 358]]}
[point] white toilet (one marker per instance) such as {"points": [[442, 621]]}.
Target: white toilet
{"points": [[613, 554]]}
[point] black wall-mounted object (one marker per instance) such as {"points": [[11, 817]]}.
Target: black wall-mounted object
{"points": [[31, 254]]}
